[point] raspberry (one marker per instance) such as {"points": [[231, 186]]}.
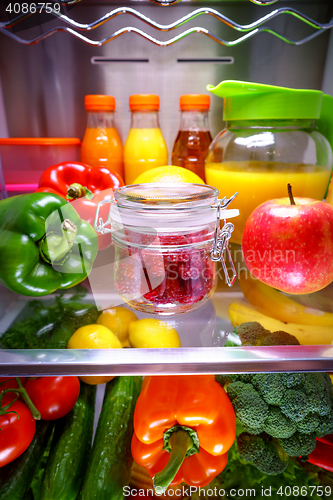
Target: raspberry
{"points": [[153, 262], [181, 276], [187, 272]]}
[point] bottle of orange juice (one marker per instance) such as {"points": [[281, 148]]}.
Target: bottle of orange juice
{"points": [[101, 145], [145, 146]]}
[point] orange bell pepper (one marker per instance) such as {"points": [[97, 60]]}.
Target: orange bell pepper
{"points": [[183, 427]]}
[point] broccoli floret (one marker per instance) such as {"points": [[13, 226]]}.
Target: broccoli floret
{"points": [[246, 378], [264, 452], [309, 424], [293, 380], [249, 406], [226, 378], [325, 426], [270, 387], [299, 445], [279, 338], [295, 405], [318, 387], [278, 425], [251, 333], [253, 397]]}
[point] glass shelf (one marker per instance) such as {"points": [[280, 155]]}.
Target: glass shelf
{"points": [[203, 333]]}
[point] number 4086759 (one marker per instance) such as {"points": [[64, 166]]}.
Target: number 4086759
{"points": [[308, 491], [32, 8]]}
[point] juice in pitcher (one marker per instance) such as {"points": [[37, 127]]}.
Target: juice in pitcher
{"points": [[145, 147], [274, 136]]}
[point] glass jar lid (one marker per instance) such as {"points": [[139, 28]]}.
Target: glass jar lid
{"points": [[159, 206], [162, 196]]}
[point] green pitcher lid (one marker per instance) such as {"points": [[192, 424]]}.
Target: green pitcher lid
{"points": [[253, 101]]}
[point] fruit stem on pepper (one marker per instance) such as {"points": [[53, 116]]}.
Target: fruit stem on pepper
{"points": [[54, 247], [180, 442], [25, 396], [290, 194], [75, 191]]}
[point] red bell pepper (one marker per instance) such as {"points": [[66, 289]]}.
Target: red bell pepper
{"points": [[183, 428], [85, 186], [322, 455], [328, 439]]}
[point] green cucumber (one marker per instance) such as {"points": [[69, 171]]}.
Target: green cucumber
{"points": [[110, 462], [70, 446], [76, 316], [16, 477]]}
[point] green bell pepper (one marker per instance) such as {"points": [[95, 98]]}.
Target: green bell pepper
{"points": [[44, 245]]}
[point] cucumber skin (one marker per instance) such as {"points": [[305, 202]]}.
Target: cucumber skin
{"points": [[70, 446], [16, 477], [110, 462]]}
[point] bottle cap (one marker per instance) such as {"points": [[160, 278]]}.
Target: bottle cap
{"points": [[190, 102], [144, 101], [98, 102], [256, 101]]}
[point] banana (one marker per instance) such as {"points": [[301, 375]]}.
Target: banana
{"points": [[276, 305], [241, 312]]}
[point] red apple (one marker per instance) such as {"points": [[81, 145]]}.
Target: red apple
{"points": [[290, 246]]}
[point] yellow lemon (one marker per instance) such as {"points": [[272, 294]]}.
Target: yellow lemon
{"points": [[117, 320], [150, 333], [168, 173], [94, 337]]}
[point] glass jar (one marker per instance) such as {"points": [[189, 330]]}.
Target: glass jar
{"points": [[101, 144], [167, 240], [145, 147], [193, 139], [272, 137]]}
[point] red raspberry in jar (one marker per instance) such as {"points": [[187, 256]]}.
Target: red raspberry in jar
{"points": [[188, 272]]}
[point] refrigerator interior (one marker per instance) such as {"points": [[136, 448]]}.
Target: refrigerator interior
{"points": [[48, 65], [46, 71]]}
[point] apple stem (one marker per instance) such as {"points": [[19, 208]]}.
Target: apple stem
{"points": [[290, 193]]}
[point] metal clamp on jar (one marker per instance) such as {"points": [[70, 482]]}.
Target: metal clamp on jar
{"points": [[167, 239]]}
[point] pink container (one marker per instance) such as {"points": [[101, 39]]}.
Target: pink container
{"points": [[25, 159]]}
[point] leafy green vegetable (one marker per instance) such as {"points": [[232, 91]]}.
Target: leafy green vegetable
{"points": [[34, 331]]}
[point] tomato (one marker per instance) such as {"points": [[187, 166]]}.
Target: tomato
{"points": [[53, 397], [17, 432], [6, 382], [10, 383]]}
